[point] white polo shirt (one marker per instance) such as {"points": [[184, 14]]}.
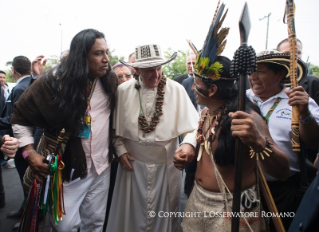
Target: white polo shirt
{"points": [[280, 124]]}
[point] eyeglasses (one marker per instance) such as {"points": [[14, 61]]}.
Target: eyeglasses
{"points": [[127, 76]]}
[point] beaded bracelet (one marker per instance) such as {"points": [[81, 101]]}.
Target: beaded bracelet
{"points": [[263, 152], [25, 154], [306, 120]]}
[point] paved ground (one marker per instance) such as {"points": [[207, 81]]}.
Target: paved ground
{"points": [[14, 196], [13, 191]]}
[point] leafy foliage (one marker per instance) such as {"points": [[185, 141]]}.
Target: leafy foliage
{"points": [[9, 77], [314, 70], [177, 67], [114, 58], [52, 61]]}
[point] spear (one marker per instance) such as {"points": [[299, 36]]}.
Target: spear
{"points": [[244, 64]]}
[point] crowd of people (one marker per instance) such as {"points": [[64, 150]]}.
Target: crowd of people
{"points": [[130, 131]]}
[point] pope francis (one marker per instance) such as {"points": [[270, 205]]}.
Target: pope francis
{"points": [[151, 113]]}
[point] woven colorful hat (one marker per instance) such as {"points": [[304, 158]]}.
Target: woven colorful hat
{"points": [[149, 56], [283, 59]]}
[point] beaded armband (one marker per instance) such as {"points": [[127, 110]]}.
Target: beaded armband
{"points": [[267, 151], [306, 120]]}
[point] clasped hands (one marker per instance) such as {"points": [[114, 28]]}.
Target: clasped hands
{"points": [[9, 146], [183, 155]]}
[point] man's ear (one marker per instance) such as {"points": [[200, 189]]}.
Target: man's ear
{"points": [[212, 90], [137, 70]]}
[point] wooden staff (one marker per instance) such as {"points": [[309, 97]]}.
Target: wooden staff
{"points": [[270, 201], [293, 73]]}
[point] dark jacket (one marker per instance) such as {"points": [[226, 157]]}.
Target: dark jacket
{"points": [[2, 99], [311, 85], [307, 215], [6, 114], [180, 79], [188, 83]]}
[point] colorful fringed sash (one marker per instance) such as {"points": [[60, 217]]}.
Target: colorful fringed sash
{"points": [[47, 196]]}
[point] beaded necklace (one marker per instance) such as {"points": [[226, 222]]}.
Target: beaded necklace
{"points": [[144, 125], [272, 108], [213, 123]]}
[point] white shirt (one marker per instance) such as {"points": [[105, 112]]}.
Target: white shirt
{"points": [[280, 124]]}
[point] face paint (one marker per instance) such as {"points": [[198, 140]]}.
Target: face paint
{"points": [[202, 92]]}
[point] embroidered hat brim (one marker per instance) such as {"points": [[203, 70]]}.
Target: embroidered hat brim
{"points": [[284, 60], [150, 62]]}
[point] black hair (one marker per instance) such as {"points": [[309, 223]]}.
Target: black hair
{"points": [[70, 81], [227, 90], [225, 152], [61, 58], [3, 72], [22, 65]]}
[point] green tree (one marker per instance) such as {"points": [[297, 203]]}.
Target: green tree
{"points": [[9, 77], [178, 66], [315, 70], [52, 61], [114, 58]]}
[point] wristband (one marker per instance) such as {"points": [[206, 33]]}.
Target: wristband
{"points": [[25, 154], [306, 120], [266, 152]]}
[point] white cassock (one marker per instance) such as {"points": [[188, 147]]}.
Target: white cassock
{"points": [[154, 186]]}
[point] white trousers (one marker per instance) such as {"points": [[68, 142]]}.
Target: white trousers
{"points": [[85, 203]]}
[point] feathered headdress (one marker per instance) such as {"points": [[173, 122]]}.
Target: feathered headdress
{"points": [[206, 65]]}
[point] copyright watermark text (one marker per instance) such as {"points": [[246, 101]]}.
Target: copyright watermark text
{"points": [[163, 214]]}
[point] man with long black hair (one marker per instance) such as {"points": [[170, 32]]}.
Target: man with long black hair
{"points": [[79, 96]]}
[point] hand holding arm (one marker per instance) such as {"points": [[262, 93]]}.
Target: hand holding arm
{"points": [[183, 155], [9, 146]]}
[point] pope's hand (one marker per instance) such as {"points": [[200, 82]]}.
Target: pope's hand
{"points": [[183, 155], [125, 162]]}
